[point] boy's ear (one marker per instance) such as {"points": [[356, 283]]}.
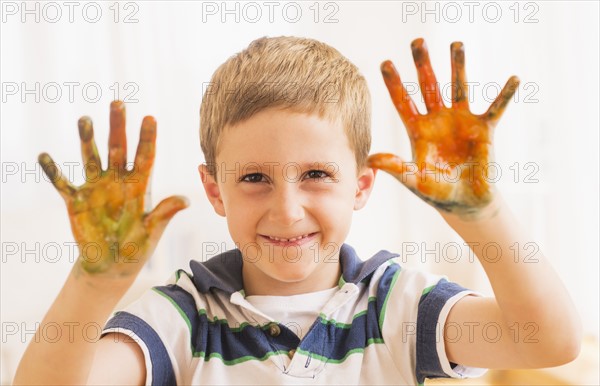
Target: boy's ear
{"points": [[365, 182], [212, 190]]}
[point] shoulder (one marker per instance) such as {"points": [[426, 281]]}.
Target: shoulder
{"points": [[123, 357], [407, 297], [391, 275]]}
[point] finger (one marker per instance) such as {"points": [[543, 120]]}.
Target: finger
{"points": [[460, 91], [117, 141], [157, 220], [429, 86], [497, 107], [404, 104], [55, 176], [404, 172], [89, 152], [144, 156]]}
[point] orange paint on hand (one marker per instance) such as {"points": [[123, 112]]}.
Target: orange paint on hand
{"points": [[451, 146]]}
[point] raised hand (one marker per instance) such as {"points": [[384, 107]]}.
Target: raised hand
{"points": [[451, 147], [114, 235]]}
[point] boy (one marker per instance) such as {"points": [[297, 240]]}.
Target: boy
{"points": [[285, 133]]}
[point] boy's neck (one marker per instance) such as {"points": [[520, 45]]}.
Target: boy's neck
{"points": [[257, 282]]}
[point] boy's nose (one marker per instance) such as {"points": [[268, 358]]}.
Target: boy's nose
{"points": [[286, 207]]}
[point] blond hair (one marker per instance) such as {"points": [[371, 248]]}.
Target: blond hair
{"points": [[300, 74]]}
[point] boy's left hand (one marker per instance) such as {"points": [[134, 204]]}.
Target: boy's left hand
{"points": [[451, 147]]}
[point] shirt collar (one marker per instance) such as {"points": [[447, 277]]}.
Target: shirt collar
{"points": [[224, 271]]}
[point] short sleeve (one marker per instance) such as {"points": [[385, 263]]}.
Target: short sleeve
{"points": [[159, 370], [433, 309], [414, 311], [156, 323]]}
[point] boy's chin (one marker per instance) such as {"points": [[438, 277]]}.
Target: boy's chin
{"points": [[298, 272], [291, 272], [292, 265]]}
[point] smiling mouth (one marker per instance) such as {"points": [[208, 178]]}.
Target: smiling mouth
{"points": [[289, 240]]}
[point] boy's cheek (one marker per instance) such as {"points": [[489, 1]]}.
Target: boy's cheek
{"points": [[252, 191]]}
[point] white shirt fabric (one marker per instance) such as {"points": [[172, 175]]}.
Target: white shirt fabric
{"points": [[296, 312]]}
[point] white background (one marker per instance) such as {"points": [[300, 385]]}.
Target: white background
{"points": [[168, 51]]}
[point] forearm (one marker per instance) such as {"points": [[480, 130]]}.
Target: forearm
{"points": [[527, 289], [79, 311]]}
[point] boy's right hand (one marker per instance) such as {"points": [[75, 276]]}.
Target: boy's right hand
{"points": [[114, 235]]}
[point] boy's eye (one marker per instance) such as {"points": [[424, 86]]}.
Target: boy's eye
{"points": [[317, 174], [253, 178]]}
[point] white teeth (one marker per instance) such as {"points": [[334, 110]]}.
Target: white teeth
{"points": [[288, 240]]}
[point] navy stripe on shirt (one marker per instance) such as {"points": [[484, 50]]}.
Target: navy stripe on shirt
{"points": [[162, 369], [430, 306]]}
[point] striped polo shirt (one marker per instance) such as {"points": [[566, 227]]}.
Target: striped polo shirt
{"points": [[383, 325]]}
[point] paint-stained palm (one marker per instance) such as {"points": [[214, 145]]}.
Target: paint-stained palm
{"points": [[114, 234], [451, 147]]}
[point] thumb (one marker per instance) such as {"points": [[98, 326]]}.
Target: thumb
{"points": [[405, 172], [157, 220]]}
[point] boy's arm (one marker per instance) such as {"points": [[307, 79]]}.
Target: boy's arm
{"points": [[535, 319], [532, 321], [69, 358], [118, 361], [115, 238]]}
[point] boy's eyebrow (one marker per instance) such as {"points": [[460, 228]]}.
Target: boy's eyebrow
{"points": [[315, 164], [274, 164]]}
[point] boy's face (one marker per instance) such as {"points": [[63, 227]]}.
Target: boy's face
{"points": [[286, 175]]}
